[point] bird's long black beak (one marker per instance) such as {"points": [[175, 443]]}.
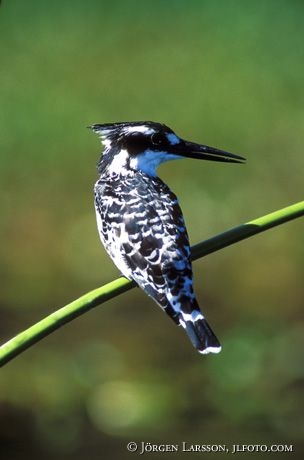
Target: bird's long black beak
{"points": [[204, 152]]}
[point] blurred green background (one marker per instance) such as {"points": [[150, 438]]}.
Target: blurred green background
{"points": [[225, 73]]}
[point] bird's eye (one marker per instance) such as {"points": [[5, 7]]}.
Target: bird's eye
{"points": [[157, 139]]}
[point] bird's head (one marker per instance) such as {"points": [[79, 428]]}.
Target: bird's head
{"points": [[144, 145]]}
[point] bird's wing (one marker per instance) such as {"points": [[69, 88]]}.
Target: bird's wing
{"points": [[148, 242]]}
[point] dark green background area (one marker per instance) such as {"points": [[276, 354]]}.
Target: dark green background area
{"points": [[224, 73]]}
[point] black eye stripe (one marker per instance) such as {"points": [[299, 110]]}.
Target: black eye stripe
{"points": [[136, 143]]}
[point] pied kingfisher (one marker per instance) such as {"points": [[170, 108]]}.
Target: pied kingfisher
{"points": [[140, 222]]}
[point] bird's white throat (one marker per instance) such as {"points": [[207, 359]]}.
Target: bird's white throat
{"points": [[149, 161]]}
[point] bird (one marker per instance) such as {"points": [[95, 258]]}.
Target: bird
{"points": [[140, 222]]}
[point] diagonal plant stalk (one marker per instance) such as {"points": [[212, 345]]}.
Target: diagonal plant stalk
{"points": [[33, 334]]}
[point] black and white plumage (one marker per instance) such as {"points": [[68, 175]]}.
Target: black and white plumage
{"points": [[141, 224]]}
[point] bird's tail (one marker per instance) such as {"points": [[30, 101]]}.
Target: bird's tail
{"points": [[198, 330]]}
